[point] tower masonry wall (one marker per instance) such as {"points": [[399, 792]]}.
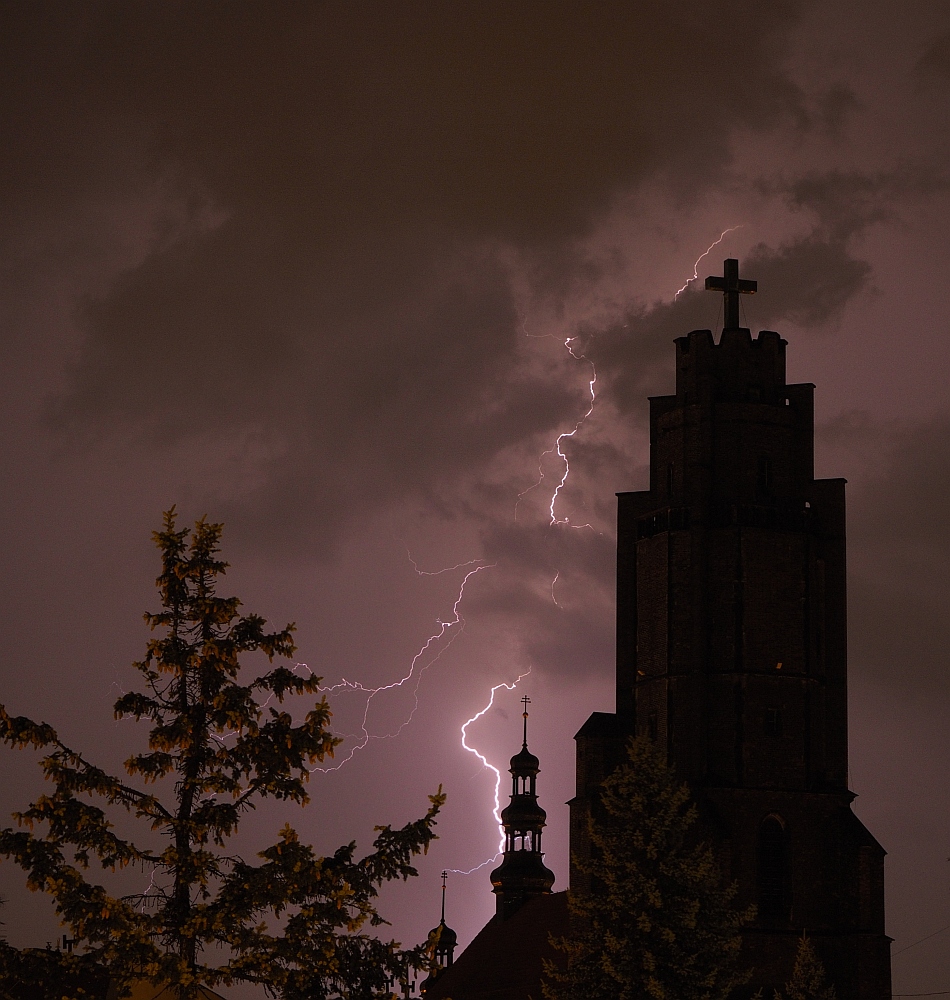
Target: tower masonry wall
{"points": [[732, 653]]}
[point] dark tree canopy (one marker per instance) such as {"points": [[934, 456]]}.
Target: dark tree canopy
{"points": [[659, 924], [290, 920]]}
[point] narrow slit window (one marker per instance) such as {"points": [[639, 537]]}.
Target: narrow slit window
{"points": [[773, 722]]}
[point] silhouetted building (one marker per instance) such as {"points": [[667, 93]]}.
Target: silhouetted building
{"points": [[444, 941], [504, 962], [732, 651]]}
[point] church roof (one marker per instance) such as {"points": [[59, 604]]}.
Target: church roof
{"points": [[443, 935], [604, 724], [524, 762], [504, 960]]}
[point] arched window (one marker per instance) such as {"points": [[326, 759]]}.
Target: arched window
{"points": [[774, 871], [763, 479]]}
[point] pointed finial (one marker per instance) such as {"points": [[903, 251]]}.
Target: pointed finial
{"points": [[526, 701], [445, 876]]}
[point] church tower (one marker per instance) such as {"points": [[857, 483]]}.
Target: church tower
{"points": [[506, 959], [522, 873], [732, 652]]}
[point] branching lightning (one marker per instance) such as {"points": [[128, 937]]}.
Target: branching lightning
{"points": [[453, 628], [439, 572], [705, 253]]}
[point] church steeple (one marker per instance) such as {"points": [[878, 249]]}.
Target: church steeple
{"points": [[443, 941], [522, 874]]}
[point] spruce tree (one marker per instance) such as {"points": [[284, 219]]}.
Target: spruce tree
{"points": [[659, 922], [808, 980], [218, 744]]}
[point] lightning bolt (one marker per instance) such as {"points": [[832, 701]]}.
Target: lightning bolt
{"points": [[439, 572], [569, 434], [556, 448], [705, 253], [496, 811]]}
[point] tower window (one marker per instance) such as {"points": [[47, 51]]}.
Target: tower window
{"points": [[764, 473], [774, 871], [773, 722], [669, 479], [652, 726]]}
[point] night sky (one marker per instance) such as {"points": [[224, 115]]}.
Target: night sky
{"points": [[339, 275]]}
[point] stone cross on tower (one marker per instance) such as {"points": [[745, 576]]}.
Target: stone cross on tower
{"points": [[731, 286]]}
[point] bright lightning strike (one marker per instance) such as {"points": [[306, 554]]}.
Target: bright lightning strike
{"points": [[711, 247], [496, 812]]}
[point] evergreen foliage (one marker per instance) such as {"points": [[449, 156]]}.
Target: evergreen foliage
{"points": [[658, 923], [289, 920], [808, 976], [39, 973]]}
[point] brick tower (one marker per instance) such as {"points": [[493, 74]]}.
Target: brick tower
{"points": [[732, 651]]}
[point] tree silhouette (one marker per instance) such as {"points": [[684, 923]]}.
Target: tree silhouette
{"points": [[289, 920], [808, 976], [658, 922]]}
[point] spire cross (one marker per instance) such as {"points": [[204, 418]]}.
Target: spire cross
{"points": [[731, 286], [445, 876], [526, 701]]}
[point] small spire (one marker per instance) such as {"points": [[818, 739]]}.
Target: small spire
{"points": [[526, 701], [445, 876]]}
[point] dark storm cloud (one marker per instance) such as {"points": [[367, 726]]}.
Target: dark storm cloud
{"points": [[899, 529], [836, 108], [807, 282], [342, 176], [847, 202], [934, 64], [555, 593], [499, 118]]}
